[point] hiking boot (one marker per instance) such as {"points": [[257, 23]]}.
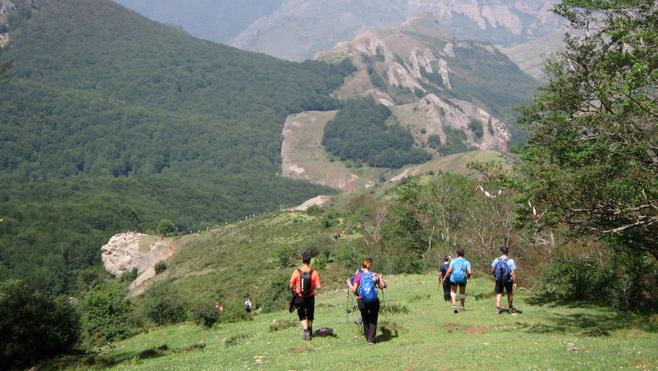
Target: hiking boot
{"points": [[461, 309], [359, 322], [498, 310], [512, 310], [307, 336], [454, 309]]}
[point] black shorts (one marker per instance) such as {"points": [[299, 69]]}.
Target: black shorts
{"points": [[462, 284], [305, 307], [500, 285]]}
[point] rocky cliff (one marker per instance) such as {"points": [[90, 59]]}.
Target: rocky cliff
{"points": [[127, 251]]}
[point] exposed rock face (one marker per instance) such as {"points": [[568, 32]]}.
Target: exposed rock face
{"points": [[420, 57], [126, 251]]}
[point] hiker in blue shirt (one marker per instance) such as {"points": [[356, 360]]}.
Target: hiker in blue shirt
{"points": [[504, 271], [459, 271]]}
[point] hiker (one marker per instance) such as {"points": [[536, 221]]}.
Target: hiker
{"points": [[365, 285], [304, 282], [459, 271], [350, 282], [504, 271], [444, 278], [248, 307]]}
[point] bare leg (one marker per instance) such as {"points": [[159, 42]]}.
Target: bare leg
{"points": [[304, 324], [453, 295], [462, 292], [510, 299], [498, 297]]}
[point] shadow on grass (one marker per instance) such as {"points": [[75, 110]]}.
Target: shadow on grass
{"points": [[98, 360], [591, 325], [389, 331]]}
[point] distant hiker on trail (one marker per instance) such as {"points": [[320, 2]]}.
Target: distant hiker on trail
{"points": [[248, 307], [459, 271], [365, 284], [504, 271], [303, 284], [444, 278]]}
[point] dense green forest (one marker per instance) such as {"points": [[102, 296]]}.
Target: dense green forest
{"points": [[112, 122], [360, 132]]}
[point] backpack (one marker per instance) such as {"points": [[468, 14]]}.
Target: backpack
{"points": [[305, 283], [367, 289], [502, 271], [458, 274]]}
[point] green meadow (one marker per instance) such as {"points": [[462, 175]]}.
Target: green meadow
{"points": [[417, 331]]}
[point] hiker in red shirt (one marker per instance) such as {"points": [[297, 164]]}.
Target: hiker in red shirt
{"points": [[304, 282]]}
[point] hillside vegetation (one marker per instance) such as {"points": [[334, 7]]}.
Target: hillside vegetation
{"points": [[112, 122]]}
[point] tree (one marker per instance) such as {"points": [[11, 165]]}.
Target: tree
{"points": [[106, 313], [592, 161], [34, 325]]}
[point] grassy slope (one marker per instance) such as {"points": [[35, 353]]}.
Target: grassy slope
{"points": [[212, 261], [430, 337]]}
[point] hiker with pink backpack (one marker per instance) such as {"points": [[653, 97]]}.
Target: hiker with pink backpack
{"points": [[365, 286]]}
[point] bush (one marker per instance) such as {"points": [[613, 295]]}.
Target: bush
{"points": [[475, 126], [166, 227], [623, 281], [34, 325], [160, 267], [434, 141], [106, 313], [285, 255], [277, 292], [205, 315], [129, 277], [163, 306]]}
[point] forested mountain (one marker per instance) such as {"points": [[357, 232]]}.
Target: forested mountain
{"points": [[297, 29], [109, 121]]}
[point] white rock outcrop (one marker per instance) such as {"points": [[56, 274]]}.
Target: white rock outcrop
{"points": [[126, 251]]}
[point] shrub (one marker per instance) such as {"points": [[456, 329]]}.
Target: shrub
{"points": [[623, 280], [160, 267], [34, 325], [129, 277], [205, 315], [475, 126], [285, 255], [277, 292], [434, 141], [163, 306], [106, 313], [166, 227]]}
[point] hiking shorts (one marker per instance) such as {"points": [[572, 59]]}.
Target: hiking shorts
{"points": [[461, 284], [305, 307], [501, 285]]}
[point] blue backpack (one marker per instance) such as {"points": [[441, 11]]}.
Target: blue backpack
{"points": [[502, 271], [458, 274], [367, 289]]}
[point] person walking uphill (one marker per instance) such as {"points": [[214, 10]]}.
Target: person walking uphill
{"points": [[504, 270], [365, 285], [304, 282], [459, 271], [444, 278]]}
